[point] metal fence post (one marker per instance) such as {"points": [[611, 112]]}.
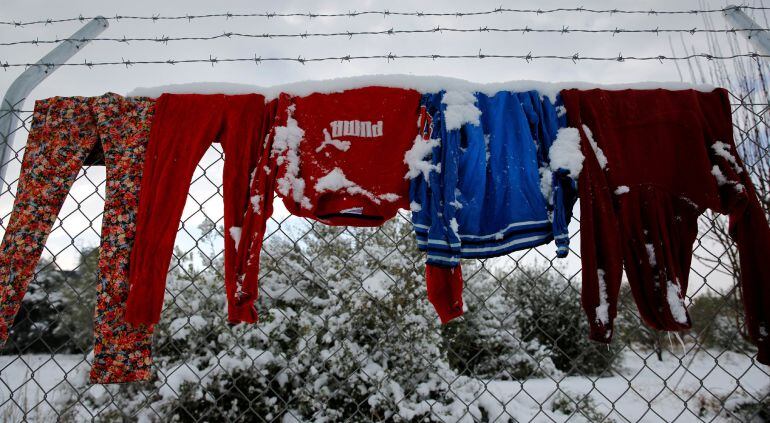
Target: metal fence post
{"points": [[757, 36], [34, 75]]}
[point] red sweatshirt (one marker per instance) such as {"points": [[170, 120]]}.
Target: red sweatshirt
{"points": [[654, 161], [341, 156]]}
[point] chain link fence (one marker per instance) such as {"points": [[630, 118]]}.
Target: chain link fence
{"points": [[346, 332]]}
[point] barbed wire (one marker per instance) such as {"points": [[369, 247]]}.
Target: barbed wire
{"points": [[390, 56], [386, 13], [350, 34]]}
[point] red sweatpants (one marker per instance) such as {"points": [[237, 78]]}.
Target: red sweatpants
{"points": [[184, 127]]}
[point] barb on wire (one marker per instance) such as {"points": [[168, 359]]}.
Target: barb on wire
{"points": [[529, 57], [387, 13], [164, 39]]}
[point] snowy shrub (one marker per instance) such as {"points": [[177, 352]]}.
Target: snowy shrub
{"points": [[718, 321], [578, 408], [487, 342], [345, 331], [40, 325], [757, 410], [550, 313]]}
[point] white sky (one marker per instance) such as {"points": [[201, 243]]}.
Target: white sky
{"points": [[83, 81]]}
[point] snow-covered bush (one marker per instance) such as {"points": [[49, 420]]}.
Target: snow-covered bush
{"points": [[550, 313], [487, 341], [345, 331], [718, 321], [56, 313]]}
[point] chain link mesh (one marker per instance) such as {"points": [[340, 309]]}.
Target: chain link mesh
{"points": [[519, 354]]}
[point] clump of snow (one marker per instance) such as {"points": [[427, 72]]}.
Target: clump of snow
{"points": [[337, 181], [460, 109], [235, 234], [455, 227], [180, 327], [602, 310], [390, 197], [415, 206], [565, 152], [328, 140], [690, 202], [622, 189], [256, 203], [415, 158], [456, 203], [287, 140], [546, 183], [600, 157], [675, 303], [378, 284], [723, 150], [721, 179], [651, 254]]}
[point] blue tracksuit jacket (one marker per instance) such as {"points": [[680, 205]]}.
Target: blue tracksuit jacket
{"points": [[484, 198]]}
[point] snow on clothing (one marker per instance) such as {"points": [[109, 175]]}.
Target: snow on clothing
{"points": [[340, 155], [254, 225], [336, 158], [654, 161], [476, 183], [185, 126], [64, 131]]}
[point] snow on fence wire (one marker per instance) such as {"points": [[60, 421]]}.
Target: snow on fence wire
{"points": [[345, 330]]}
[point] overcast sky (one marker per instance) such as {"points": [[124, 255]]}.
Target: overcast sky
{"points": [[95, 81], [82, 81]]}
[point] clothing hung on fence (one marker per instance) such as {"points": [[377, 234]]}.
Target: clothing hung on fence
{"points": [[336, 158], [654, 161], [340, 155], [64, 131], [482, 185], [185, 126]]}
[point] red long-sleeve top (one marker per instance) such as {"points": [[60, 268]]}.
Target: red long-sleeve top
{"points": [[654, 161]]}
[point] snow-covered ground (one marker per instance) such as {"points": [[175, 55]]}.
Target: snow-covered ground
{"points": [[674, 390], [36, 384], [644, 390]]}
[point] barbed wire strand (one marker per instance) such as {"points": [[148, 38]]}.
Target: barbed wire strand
{"points": [[389, 57], [350, 34], [386, 13]]}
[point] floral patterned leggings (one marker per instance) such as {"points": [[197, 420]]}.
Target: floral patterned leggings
{"points": [[64, 130]]}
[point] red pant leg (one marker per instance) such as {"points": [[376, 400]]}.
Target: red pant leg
{"points": [[260, 209], [242, 140], [184, 126]]}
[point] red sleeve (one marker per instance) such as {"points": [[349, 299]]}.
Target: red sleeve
{"points": [[244, 291], [748, 222], [600, 246]]}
